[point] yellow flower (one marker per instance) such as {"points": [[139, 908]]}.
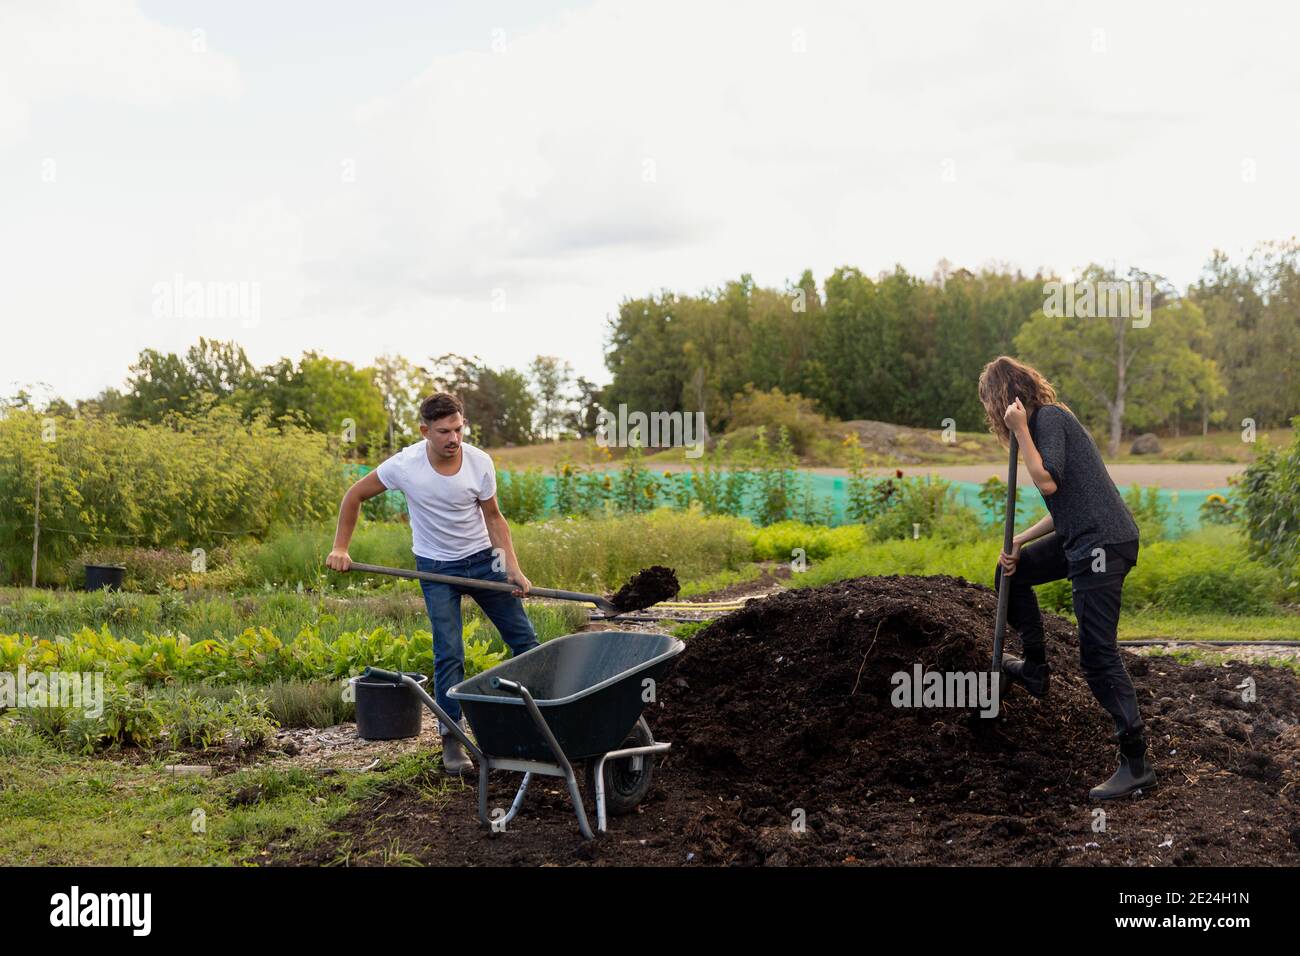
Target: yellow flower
{"points": [[668, 474], [1217, 499]]}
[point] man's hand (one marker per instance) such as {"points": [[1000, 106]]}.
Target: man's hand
{"points": [[1009, 561], [521, 583], [1015, 416], [339, 560]]}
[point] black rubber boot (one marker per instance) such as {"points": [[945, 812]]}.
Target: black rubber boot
{"points": [[1035, 678], [1134, 775], [455, 759]]}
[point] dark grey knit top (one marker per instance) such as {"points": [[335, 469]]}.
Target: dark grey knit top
{"points": [[1086, 508]]}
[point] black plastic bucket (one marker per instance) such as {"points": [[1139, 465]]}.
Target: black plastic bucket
{"points": [[104, 577], [387, 711]]}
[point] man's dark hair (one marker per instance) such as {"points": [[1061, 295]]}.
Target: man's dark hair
{"points": [[440, 405]]}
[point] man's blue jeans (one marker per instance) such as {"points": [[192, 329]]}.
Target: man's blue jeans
{"points": [[443, 602]]}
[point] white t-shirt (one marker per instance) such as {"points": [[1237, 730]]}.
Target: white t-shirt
{"points": [[446, 522]]}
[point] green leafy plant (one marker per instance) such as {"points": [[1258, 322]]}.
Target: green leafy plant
{"points": [[1217, 509], [1269, 493], [522, 494]]}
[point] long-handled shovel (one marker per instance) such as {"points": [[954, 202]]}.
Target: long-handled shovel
{"points": [[1004, 586], [600, 602]]}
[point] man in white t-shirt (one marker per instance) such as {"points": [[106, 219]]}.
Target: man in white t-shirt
{"points": [[456, 529]]}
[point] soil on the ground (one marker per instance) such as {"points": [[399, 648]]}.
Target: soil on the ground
{"points": [[787, 750], [648, 586]]}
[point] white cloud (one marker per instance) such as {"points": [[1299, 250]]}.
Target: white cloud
{"points": [[630, 147], [101, 49]]}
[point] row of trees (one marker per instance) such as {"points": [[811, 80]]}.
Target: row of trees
{"points": [[895, 348], [376, 407], [901, 349]]}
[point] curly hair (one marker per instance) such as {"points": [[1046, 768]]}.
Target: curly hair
{"points": [[1003, 381]]}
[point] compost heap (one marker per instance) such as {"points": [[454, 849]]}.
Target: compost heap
{"points": [[648, 586], [785, 708]]}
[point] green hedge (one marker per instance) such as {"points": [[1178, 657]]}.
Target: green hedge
{"points": [[189, 484], [1208, 571]]}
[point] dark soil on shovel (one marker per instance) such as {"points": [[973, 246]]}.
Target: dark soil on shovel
{"points": [[780, 714], [647, 587]]}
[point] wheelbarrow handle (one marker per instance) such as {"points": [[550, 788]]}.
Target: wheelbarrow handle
{"points": [[378, 673], [503, 684]]}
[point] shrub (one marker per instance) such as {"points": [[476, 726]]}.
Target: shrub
{"points": [[774, 482], [159, 569], [993, 496], [1270, 505], [775, 411], [522, 494], [918, 507], [1201, 575], [721, 486], [189, 483], [1216, 509], [778, 542], [1150, 513], [1207, 572]]}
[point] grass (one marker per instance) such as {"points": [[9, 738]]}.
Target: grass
{"points": [[1218, 446], [723, 579], [1155, 623], [65, 810], [285, 613], [687, 629], [583, 554], [600, 554], [1201, 587], [291, 703]]}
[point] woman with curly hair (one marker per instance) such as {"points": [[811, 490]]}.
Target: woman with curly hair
{"points": [[1088, 536]]}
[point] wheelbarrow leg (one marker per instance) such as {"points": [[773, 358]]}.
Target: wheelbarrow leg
{"points": [[518, 801], [575, 794]]}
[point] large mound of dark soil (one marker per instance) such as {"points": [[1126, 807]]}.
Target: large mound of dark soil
{"points": [[781, 712]]}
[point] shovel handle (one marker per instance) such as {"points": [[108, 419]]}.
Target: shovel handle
{"points": [[477, 583], [1008, 536]]}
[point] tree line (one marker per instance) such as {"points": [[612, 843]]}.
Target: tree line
{"points": [[908, 350], [897, 347], [375, 408]]}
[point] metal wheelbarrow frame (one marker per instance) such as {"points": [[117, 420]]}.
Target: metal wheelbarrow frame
{"points": [[513, 724]]}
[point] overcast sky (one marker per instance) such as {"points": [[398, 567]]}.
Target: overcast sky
{"points": [[493, 178]]}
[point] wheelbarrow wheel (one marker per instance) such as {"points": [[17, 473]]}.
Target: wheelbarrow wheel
{"points": [[625, 787]]}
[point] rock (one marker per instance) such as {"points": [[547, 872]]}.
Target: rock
{"points": [[246, 796], [1146, 444]]}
